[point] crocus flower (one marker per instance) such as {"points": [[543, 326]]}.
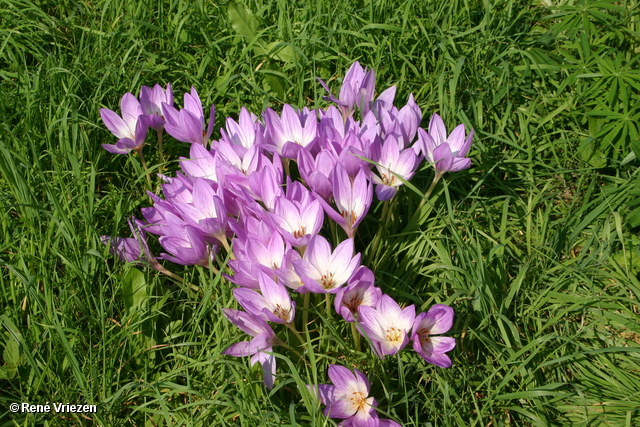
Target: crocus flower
{"points": [[348, 399], [297, 221], [437, 320], [151, 103], [350, 298], [260, 347], [246, 132], [392, 161], [290, 131], [387, 325], [187, 125], [274, 305], [207, 213], [316, 172], [323, 271], [187, 244], [406, 122], [131, 128], [447, 153], [353, 199], [359, 291], [357, 88], [201, 163], [132, 249]]}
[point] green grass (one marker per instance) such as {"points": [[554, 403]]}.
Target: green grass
{"points": [[534, 246]]}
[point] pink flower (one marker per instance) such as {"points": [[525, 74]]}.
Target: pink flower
{"points": [[437, 320], [387, 325], [131, 128], [323, 271], [260, 347], [348, 399], [447, 153]]}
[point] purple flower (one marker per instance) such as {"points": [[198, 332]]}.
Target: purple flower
{"points": [[207, 213], [260, 347], [201, 163], [348, 399], [357, 88], [323, 271], [392, 161], [359, 292], [266, 183], [352, 198], [297, 221], [131, 128], [384, 102], [316, 172], [290, 131], [132, 249], [151, 101], [407, 121], [187, 244], [246, 132], [387, 325], [446, 153], [187, 125], [437, 320], [274, 304]]}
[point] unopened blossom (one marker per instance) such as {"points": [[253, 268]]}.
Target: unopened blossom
{"points": [[358, 88], [187, 244], [316, 171], [437, 320], [266, 184], [151, 101], [207, 212], [352, 198], [387, 325], [384, 102], [131, 128], [348, 399], [406, 122], [188, 124], [132, 249]]}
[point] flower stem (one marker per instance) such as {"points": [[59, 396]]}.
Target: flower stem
{"points": [[160, 132], [356, 335], [285, 164], [417, 214], [226, 246], [291, 349], [144, 166], [378, 236], [327, 305], [296, 333], [174, 276], [305, 311]]}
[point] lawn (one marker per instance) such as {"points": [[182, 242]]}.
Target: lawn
{"points": [[535, 247]]}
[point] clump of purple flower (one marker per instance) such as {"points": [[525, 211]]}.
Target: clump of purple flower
{"points": [[236, 194]]}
